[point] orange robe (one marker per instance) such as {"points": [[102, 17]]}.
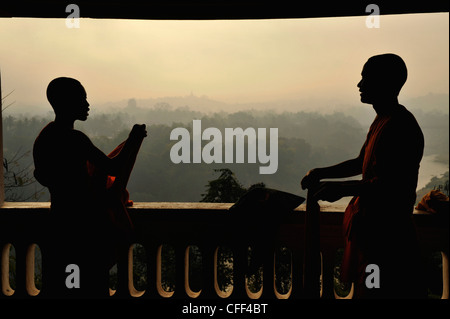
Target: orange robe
{"points": [[116, 199]]}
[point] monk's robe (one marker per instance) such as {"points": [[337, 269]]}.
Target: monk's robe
{"points": [[116, 199], [378, 226]]}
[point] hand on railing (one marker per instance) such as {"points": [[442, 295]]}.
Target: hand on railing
{"points": [[311, 179], [327, 191]]}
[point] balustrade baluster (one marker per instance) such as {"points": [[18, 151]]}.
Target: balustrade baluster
{"points": [[312, 250]]}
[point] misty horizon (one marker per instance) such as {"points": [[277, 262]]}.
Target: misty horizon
{"points": [[238, 63], [364, 113]]}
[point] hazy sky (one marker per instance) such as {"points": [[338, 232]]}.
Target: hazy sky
{"points": [[230, 61]]}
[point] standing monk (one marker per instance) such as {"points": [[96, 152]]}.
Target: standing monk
{"points": [[378, 226], [88, 195]]}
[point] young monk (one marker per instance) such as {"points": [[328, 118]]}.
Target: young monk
{"points": [[88, 194], [378, 223]]}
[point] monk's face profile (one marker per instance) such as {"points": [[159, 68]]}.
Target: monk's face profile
{"points": [[369, 86], [68, 98], [78, 105]]}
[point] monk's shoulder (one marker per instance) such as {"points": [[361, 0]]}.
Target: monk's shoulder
{"points": [[46, 137], [403, 121], [53, 139], [80, 136], [405, 116], [403, 129]]}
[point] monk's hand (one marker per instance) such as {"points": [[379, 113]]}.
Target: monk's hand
{"points": [[139, 131], [311, 179], [329, 191]]}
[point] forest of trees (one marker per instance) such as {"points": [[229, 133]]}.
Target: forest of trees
{"points": [[306, 140], [156, 178]]}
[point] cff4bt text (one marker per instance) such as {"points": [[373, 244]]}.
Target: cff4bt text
{"points": [[231, 308]]}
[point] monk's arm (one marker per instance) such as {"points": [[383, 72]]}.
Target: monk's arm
{"points": [[113, 166], [332, 191], [128, 152], [394, 171], [347, 168]]}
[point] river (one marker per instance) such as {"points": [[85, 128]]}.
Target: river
{"points": [[429, 168]]}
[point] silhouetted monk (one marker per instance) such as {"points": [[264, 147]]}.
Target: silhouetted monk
{"points": [[378, 223], [88, 194]]}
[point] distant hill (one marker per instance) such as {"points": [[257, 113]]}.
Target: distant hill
{"points": [[195, 103], [431, 103]]}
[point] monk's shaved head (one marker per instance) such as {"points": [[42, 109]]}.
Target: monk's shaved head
{"points": [[388, 68], [63, 89]]}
